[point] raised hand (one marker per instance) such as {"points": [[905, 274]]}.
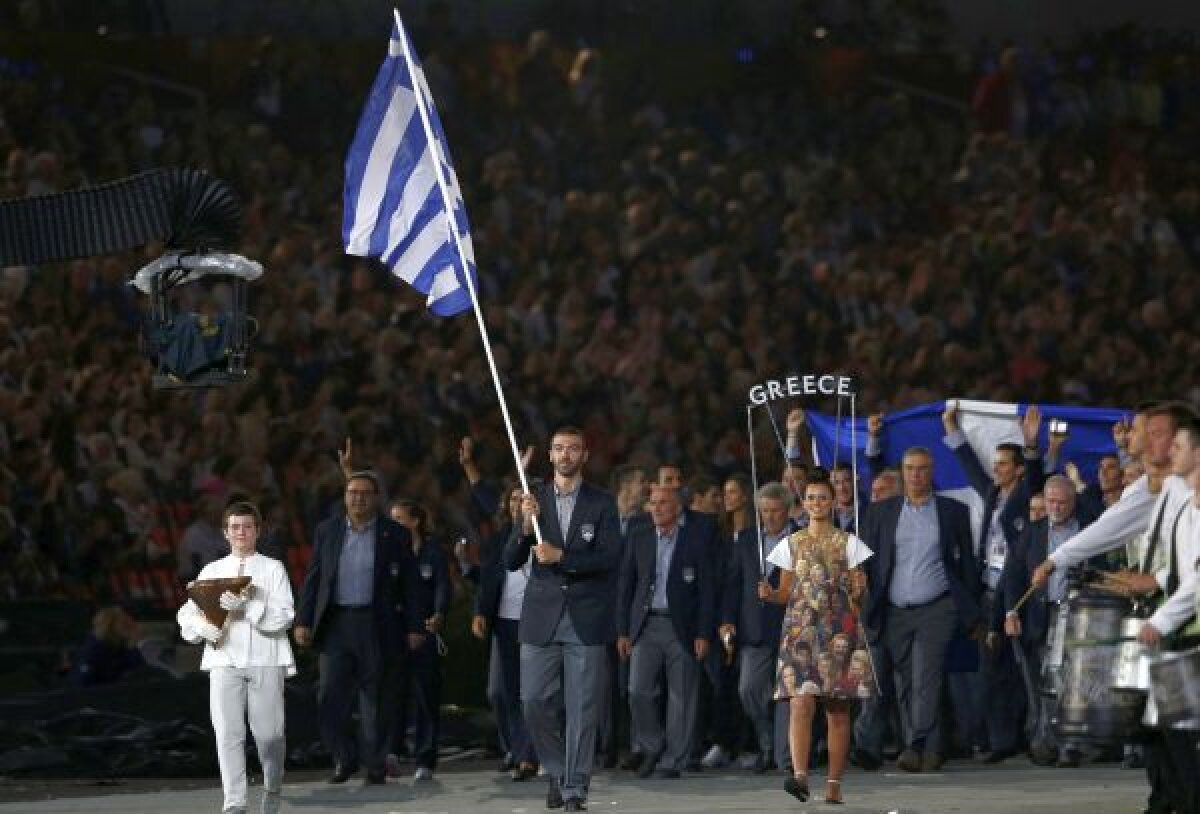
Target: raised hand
{"points": [[346, 457], [1121, 432], [795, 421], [875, 424], [950, 417], [1031, 423]]}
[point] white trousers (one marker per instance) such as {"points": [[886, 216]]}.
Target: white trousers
{"points": [[235, 693]]}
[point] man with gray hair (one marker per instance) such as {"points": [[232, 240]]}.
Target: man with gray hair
{"points": [[755, 625], [924, 585], [1031, 625]]}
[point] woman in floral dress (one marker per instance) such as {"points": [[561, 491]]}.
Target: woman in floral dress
{"points": [[822, 652]]}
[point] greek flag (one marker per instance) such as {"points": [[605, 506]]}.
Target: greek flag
{"points": [[403, 204], [986, 424]]}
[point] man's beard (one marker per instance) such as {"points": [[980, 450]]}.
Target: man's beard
{"points": [[564, 470]]}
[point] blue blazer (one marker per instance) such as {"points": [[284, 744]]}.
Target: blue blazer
{"points": [[958, 559], [1015, 516], [691, 591], [491, 574], [433, 590], [758, 623], [1023, 559], [584, 582], [395, 589]]}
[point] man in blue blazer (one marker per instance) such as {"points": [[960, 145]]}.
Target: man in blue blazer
{"points": [[355, 608], [1017, 475], [924, 586], [755, 627], [1065, 517], [567, 617], [666, 609]]}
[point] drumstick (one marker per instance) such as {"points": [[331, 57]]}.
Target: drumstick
{"points": [[1024, 598]]}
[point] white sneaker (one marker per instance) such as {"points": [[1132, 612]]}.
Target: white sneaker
{"points": [[423, 775], [715, 758], [270, 802]]}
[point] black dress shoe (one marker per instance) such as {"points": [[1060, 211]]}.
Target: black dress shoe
{"points": [[375, 779], [554, 798], [865, 760], [342, 773], [633, 762], [576, 805], [998, 755], [796, 787], [647, 767], [668, 774]]}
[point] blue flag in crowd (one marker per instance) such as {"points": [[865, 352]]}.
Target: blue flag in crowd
{"points": [[985, 425], [402, 194]]}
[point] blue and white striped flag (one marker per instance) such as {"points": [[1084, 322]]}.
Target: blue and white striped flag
{"points": [[402, 193], [986, 424]]}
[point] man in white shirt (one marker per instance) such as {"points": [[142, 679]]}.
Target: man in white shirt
{"points": [[1145, 506], [1176, 617], [1143, 501], [247, 660]]}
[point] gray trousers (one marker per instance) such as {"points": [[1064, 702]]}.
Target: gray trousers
{"points": [[353, 667], [916, 640], [560, 690], [756, 689], [656, 650], [236, 693]]}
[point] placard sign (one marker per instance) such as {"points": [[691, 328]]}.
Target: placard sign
{"points": [[807, 384]]}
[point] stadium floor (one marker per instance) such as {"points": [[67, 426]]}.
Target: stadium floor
{"points": [[960, 787]]}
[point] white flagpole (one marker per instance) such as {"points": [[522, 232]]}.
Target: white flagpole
{"points": [[419, 86], [762, 564]]}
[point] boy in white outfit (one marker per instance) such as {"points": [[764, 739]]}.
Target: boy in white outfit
{"points": [[248, 660]]}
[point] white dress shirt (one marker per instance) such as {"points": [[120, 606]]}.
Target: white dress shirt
{"points": [[1181, 605], [257, 636], [1130, 515]]}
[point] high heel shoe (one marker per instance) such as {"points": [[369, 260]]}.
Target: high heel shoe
{"points": [[797, 786], [833, 792]]}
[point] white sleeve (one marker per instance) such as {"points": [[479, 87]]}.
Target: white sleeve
{"points": [[857, 551], [191, 620], [1181, 605], [781, 554], [1128, 516], [272, 609]]}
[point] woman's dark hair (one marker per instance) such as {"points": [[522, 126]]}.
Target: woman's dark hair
{"points": [[419, 513]]}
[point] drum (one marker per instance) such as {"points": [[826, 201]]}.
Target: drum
{"points": [[1131, 670], [1175, 683], [1088, 707], [1056, 633]]}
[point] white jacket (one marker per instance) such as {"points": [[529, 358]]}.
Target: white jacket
{"points": [[257, 637]]}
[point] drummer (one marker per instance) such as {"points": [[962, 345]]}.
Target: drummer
{"points": [[1141, 508], [1174, 626]]}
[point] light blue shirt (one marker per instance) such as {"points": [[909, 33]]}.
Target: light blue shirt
{"points": [[565, 504], [920, 575], [356, 567], [662, 567], [1056, 535]]}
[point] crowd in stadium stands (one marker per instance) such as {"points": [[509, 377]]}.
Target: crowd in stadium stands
{"points": [[641, 264]]}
